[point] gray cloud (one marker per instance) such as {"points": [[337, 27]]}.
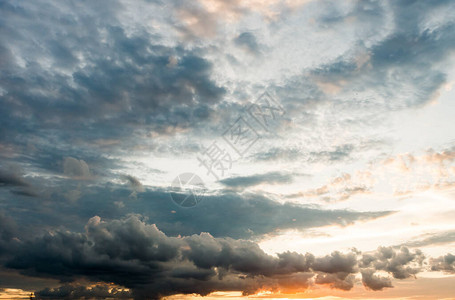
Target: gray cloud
{"points": [[12, 179], [248, 41], [15, 182], [375, 282], [444, 263], [252, 180], [395, 262], [98, 76], [227, 213], [341, 280], [138, 256], [68, 291], [432, 239], [135, 185], [78, 81], [76, 168]]}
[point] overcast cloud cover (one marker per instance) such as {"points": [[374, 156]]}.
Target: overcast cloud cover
{"points": [[346, 189]]}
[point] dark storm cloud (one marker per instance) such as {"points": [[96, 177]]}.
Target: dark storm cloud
{"points": [[14, 280], [7, 227], [252, 180], [8, 236], [138, 256]]}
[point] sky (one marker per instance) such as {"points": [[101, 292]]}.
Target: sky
{"points": [[227, 149]]}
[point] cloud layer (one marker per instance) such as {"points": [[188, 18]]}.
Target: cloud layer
{"points": [[158, 265]]}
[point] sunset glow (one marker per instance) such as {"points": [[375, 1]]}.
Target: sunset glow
{"points": [[227, 149]]}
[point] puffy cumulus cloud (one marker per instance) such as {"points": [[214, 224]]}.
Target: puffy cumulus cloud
{"points": [[375, 282], [444, 263], [401, 264], [76, 168], [337, 263], [138, 256], [340, 280]]}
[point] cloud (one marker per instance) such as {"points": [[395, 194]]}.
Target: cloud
{"points": [[248, 41], [133, 254], [76, 168], [444, 263], [110, 83], [253, 180], [398, 263], [332, 155], [8, 235], [417, 172], [223, 213], [439, 238], [68, 291], [207, 18], [341, 280], [135, 185], [98, 76], [415, 43], [340, 188], [238, 215], [13, 179], [375, 282]]}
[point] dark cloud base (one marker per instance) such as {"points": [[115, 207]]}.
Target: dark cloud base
{"points": [[133, 254]]}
